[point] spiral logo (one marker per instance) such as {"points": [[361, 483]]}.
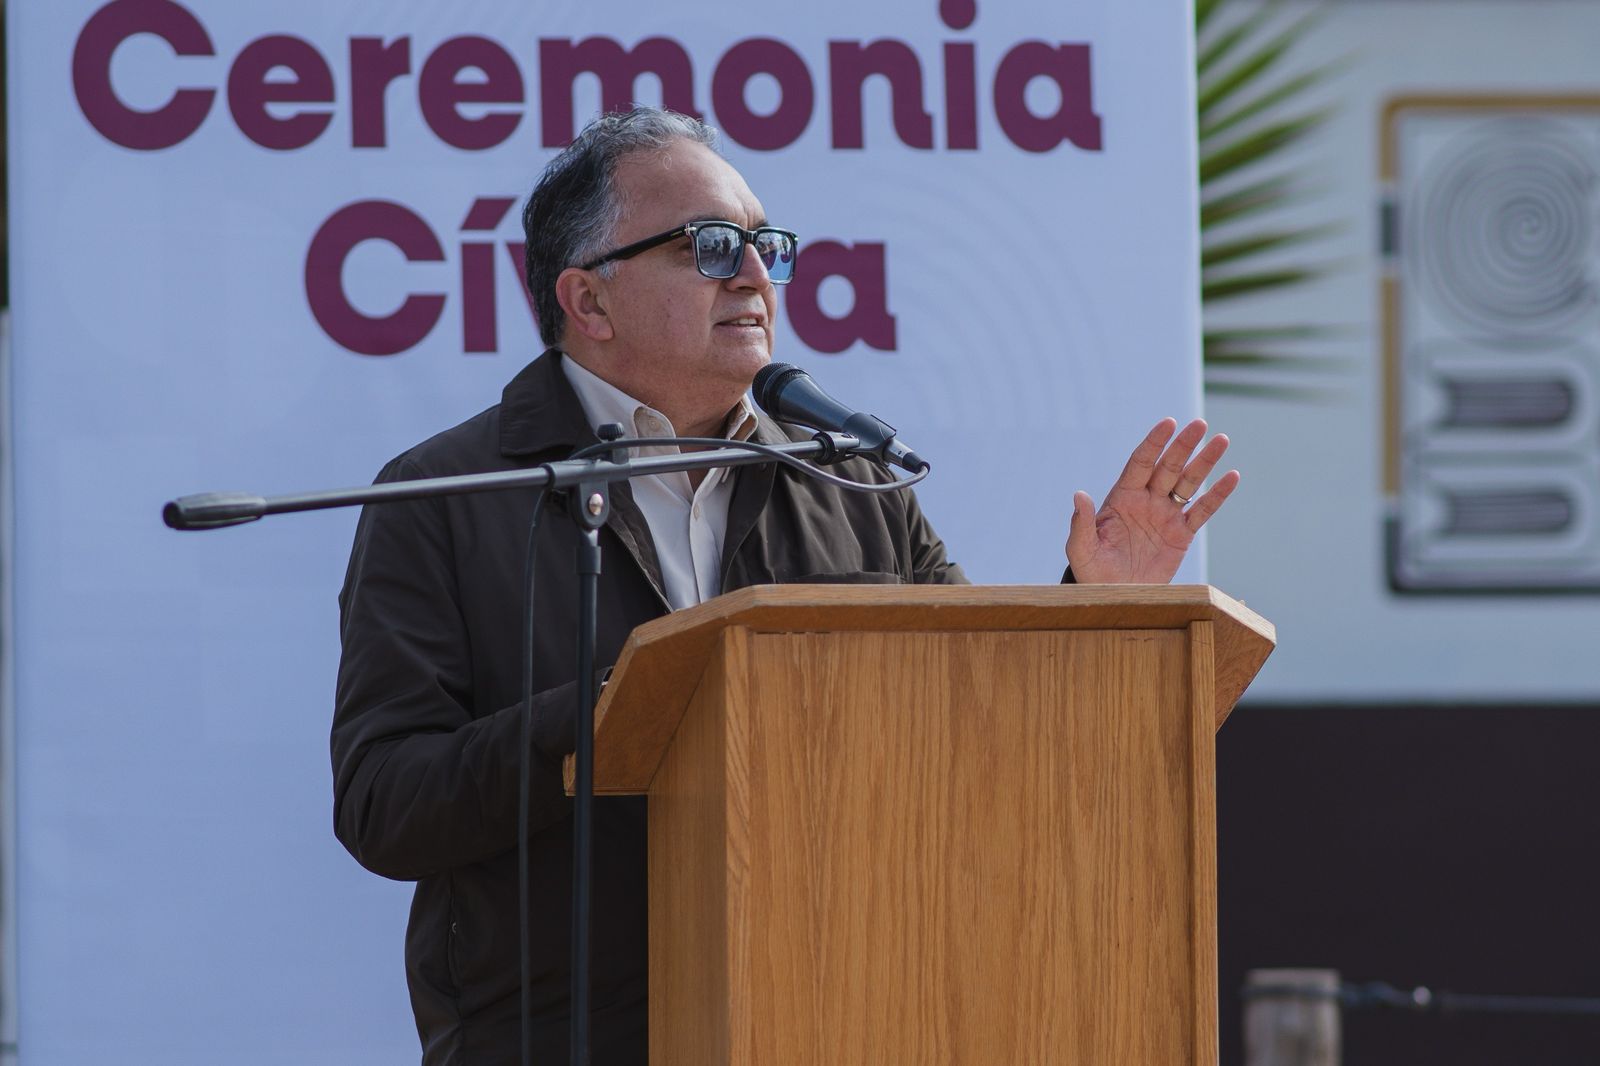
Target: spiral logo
{"points": [[1505, 233]]}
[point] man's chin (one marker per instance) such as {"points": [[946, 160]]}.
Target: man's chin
{"points": [[742, 361]]}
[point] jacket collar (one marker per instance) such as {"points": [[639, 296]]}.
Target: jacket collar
{"points": [[752, 488], [539, 412]]}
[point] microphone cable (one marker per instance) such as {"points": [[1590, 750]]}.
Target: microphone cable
{"points": [[766, 449], [524, 774]]}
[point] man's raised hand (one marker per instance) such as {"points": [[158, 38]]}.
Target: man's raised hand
{"points": [[1150, 516]]}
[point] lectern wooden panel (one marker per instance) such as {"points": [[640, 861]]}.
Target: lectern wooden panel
{"points": [[964, 826]]}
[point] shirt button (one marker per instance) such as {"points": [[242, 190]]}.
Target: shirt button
{"points": [[697, 510]]}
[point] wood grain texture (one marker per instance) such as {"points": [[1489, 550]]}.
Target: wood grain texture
{"points": [[1203, 836], [663, 659], [689, 838], [940, 848]]}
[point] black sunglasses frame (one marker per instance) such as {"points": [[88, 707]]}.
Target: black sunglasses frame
{"points": [[688, 229]]}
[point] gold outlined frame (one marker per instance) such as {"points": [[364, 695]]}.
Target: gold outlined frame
{"points": [[1394, 109], [1389, 289]]}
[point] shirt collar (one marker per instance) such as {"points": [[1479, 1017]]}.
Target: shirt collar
{"points": [[603, 402], [541, 415]]}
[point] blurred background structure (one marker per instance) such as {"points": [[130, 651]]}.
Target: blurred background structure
{"points": [[1408, 793]]}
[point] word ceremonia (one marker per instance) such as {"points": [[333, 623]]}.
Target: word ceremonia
{"points": [[471, 94]]}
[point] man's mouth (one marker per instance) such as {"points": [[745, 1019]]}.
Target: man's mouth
{"points": [[743, 320]]}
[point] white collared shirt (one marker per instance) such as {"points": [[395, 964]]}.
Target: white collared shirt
{"points": [[686, 523]]}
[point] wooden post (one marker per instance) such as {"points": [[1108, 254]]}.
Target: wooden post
{"points": [[1291, 1018]]}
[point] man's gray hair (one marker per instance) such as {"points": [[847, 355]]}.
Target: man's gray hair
{"points": [[572, 216]]}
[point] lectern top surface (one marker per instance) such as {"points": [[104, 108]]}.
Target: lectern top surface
{"points": [[663, 661]]}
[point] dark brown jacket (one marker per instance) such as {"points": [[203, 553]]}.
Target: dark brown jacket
{"points": [[425, 729]]}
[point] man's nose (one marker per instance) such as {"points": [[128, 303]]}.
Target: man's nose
{"points": [[752, 271]]}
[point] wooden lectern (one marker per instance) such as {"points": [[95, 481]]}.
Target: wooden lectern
{"points": [[921, 825]]}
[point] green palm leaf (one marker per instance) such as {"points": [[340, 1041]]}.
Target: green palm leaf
{"points": [[1278, 360], [1217, 253], [1258, 281], [1266, 391], [1258, 145], [1220, 48], [1270, 99], [1245, 72], [1251, 107], [1230, 338], [1238, 203]]}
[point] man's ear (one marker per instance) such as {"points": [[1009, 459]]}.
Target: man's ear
{"points": [[581, 299]]}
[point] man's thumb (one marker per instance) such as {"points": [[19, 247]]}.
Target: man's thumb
{"points": [[1081, 531]]}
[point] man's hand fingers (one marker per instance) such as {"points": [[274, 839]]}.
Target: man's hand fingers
{"points": [[1170, 466], [1195, 474], [1206, 506], [1080, 534], [1142, 463]]}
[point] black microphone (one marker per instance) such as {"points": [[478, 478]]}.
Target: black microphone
{"points": [[788, 394]]}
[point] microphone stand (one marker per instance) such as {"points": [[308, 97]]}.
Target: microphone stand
{"points": [[589, 507]]}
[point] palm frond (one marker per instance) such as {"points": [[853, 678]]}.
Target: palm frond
{"points": [[1237, 203], [1203, 10], [1258, 144], [1273, 391], [1219, 90], [1217, 50], [1277, 360], [1225, 338], [1271, 98], [1251, 106], [1218, 253], [1259, 281]]}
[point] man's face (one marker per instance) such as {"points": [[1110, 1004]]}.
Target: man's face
{"points": [[682, 341]]}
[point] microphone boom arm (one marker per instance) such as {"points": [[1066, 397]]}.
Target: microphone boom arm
{"points": [[214, 510]]}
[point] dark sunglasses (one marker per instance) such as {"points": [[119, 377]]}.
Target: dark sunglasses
{"points": [[719, 249]]}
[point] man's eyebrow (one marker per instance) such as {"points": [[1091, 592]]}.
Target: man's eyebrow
{"points": [[762, 221]]}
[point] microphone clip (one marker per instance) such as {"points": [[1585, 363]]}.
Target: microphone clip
{"points": [[836, 447]]}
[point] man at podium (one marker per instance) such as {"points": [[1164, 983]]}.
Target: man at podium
{"points": [[652, 266]]}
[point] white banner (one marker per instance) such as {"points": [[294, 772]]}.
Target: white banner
{"points": [[269, 246]]}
